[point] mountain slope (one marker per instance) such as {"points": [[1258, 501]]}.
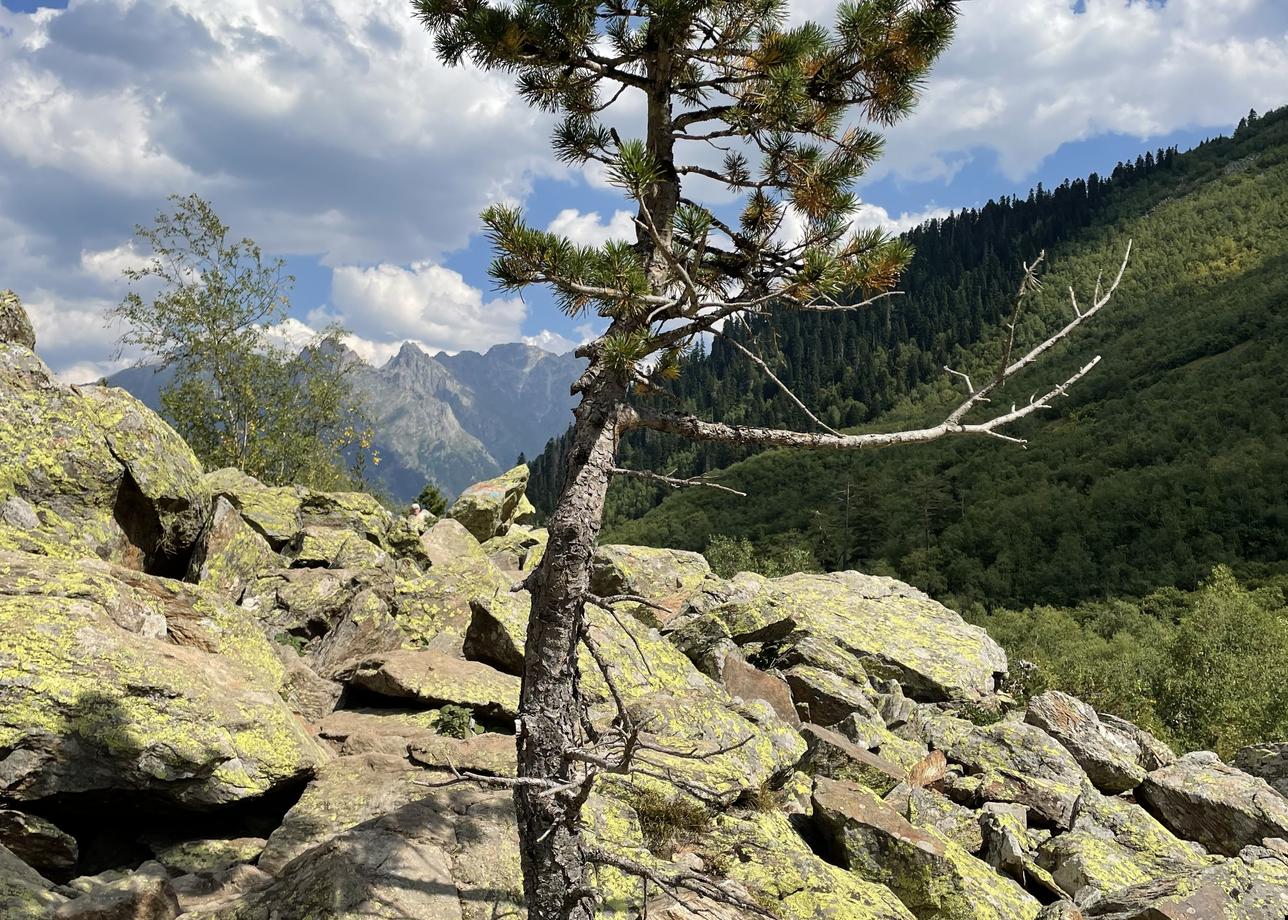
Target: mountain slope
{"points": [[453, 419], [1168, 459]]}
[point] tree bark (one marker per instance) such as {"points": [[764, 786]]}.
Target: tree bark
{"points": [[554, 861]]}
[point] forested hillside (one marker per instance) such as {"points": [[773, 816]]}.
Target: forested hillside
{"points": [[1168, 459]]}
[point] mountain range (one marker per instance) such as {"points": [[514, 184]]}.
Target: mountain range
{"points": [[452, 419]]}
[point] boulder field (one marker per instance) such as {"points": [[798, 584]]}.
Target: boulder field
{"points": [[221, 700]]}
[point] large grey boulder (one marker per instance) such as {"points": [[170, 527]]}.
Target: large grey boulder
{"points": [[933, 876], [114, 681], [1110, 758], [1253, 886], [38, 842], [145, 894], [891, 630], [487, 509], [91, 472], [1006, 762], [1268, 761], [1217, 805], [25, 894]]}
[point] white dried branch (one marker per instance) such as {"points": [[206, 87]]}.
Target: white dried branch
{"points": [[760, 362], [697, 429], [675, 483]]}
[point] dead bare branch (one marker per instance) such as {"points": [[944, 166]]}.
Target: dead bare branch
{"points": [[676, 483], [782, 386]]}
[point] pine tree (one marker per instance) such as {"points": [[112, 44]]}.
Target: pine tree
{"points": [[797, 110]]}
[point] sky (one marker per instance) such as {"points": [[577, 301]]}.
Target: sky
{"points": [[327, 131]]}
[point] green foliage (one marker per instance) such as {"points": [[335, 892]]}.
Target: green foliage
{"points": [[730, 555], [456, 722], [237, 396], [1170, 458], [432, 500], [1205, 670]]}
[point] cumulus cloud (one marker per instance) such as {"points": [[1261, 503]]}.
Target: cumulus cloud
{"points": [[560, 344], [589, 229], [425, 303], [324, 130], [1023, 77]]}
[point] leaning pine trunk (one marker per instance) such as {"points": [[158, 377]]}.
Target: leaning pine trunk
{"points": [[554, 860]]}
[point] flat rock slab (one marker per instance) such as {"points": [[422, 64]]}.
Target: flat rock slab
{"points": [[1217, 805], [891, 629], [933, 876], [1111, 758], [435, 679]]}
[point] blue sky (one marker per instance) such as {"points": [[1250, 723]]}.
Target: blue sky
{"points": [[327, 131]]}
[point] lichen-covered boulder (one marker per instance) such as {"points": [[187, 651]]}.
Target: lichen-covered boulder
{"points": [[1113, 845], [836, 757], [230, 553], [891, 629], [487, 509], [929, 809], [208, 855], [417, 736], [1251, 887], [366, 626], [666, 577], [1268, 761], [25, 894], [38, 842], [15, 326], [772, 863], [111, 680], [519, 550], [1110, 758], [432, 679], [1217, 805], [91, 471], [1008, 762], [274, 511], [934, 877]]}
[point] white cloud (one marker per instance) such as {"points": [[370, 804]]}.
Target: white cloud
{"points": [[1023, 77], [106, 265], [871, 215], [328, 130], [425, 303], [589, 229], [550, 341], [561, 344]]}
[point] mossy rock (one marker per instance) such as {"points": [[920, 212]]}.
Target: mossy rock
{"points": [[230, 553], [274, 511], [112, 680], [15, 325], [432, 679], [890, 629], [210, 855], [934, 877], [763, 852], [666, 577], [24, 893], [98, 473], [487, 509], [1008, 762]]}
